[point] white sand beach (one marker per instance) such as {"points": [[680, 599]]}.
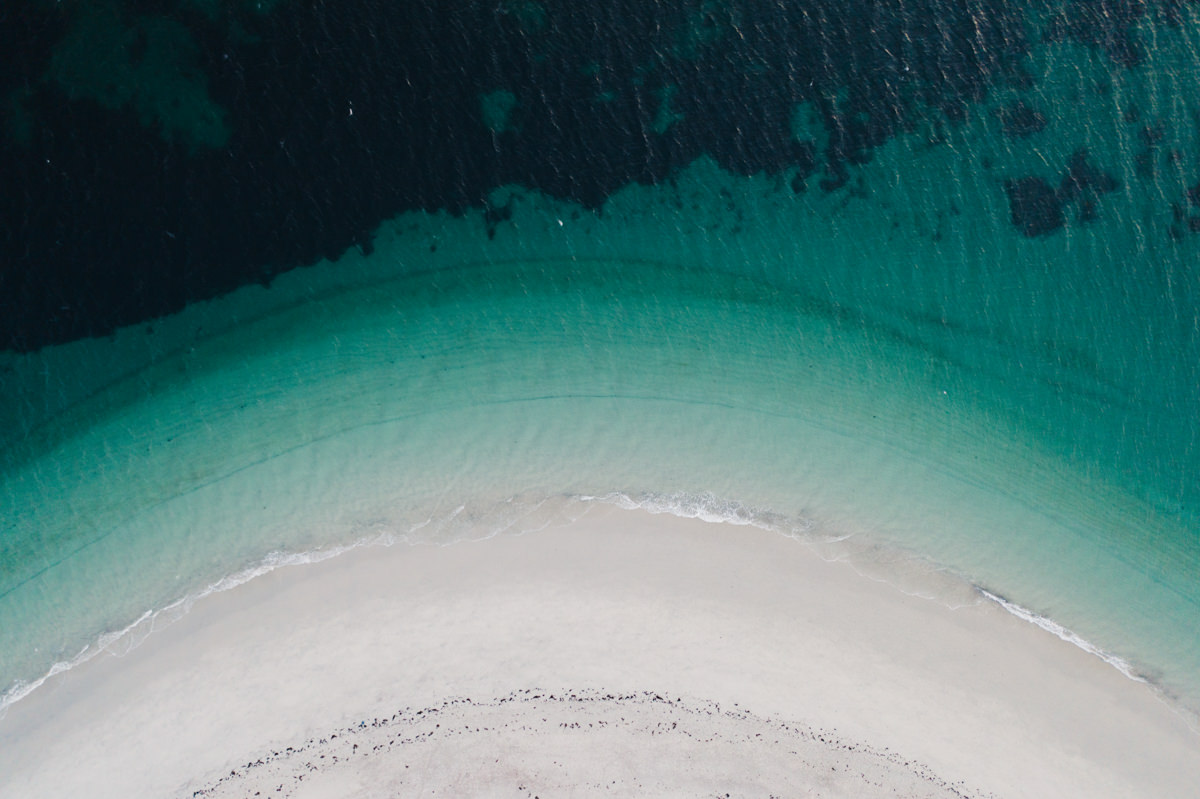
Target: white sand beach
{"points": [[624, 654]]}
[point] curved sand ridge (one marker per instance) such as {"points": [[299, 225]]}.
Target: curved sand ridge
{"points": [[617, 602]]}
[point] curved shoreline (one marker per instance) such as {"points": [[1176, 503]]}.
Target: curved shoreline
{"points": [[698, 508], [614, 601], [349, 424]]}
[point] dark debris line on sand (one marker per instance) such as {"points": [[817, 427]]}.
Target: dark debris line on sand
{"points": [[816, 757]]}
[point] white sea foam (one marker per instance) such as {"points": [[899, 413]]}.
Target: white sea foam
{"points": [[706, 507], [521, 514], [468, 521], [710, 508], [124, 640], [465, 521], [1051, 626]]}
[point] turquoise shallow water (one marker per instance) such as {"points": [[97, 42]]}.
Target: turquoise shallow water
{"points": [[899, 370], [427, 395]]}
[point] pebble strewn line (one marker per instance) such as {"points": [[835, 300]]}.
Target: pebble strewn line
{"points": [[539, 740]]}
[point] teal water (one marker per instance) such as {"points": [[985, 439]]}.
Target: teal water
{"points": [[899, 371]]}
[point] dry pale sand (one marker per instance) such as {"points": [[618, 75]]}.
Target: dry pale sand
{"points": [[624, 654]]}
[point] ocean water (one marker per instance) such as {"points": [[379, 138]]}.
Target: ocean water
{"points": [[915, 283]]}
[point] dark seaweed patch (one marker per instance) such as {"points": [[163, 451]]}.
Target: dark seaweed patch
{"points": [[1019, 120], [1106, 25], [1083, 179], [1036, 206], [343, 116]]}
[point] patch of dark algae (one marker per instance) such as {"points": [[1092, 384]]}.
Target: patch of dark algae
{"points": [[1038, 208], [277, 134], [156, 154]]}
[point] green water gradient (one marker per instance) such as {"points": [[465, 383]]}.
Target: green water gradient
{"points": [[353, 404], [891, 366]]}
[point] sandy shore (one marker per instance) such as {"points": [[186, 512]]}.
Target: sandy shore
{"points": [[624, 654]]}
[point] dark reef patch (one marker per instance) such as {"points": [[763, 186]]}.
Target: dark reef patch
{"points": [[1105, 25], [1037, 208], [1084, 180], [338, 117], [1020, 120]]}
